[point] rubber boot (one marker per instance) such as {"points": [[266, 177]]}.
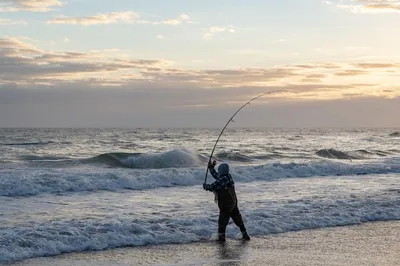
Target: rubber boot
{"points": [[221, 237], [245, 236], [244, 233]]}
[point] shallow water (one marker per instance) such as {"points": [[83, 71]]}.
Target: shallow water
{"points": [[70, 190]]}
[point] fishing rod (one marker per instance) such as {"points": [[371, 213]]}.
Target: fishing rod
{"points": [[230, 120]]}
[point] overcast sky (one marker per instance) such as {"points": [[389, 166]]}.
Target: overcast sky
{"points": [[180, 63]]}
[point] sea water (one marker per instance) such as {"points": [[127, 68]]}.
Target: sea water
{"points": [[71, 190]]}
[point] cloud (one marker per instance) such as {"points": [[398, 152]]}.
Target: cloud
{"points": [[100, 18], [378, 65], [17, 47], [183, 18], [316, 76], [210, 32], [351, 72], [24, 65], [311, 80], [128, 17], [159, 36], [7, 22], [29, 5], [369, 6], [169, 22]]}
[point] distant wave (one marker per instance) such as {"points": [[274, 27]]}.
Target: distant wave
{"points": [[28, 143], [179, 158], [350, 155], [176, 158], [38, 181], [184, 158], [334, 154], [295, 138], [42, 158], [394, 134], [110, 159], [234, 156]]}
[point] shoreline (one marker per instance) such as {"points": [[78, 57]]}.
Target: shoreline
{"points": [[373, 243]]}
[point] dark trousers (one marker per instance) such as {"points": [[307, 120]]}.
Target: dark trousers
{"points": [[225, 213]]}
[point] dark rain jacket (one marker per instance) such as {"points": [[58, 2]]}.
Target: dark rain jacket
{"points": [[224, 186]]}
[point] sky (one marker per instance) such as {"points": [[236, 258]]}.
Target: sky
{"points": [[180, 63]]}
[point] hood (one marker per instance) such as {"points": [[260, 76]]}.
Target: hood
{"points": [[223, 169]]}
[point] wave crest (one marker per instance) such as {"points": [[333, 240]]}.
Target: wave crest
{"points": [[351, 155], [334, 154], [37, 181], [176, 158]]}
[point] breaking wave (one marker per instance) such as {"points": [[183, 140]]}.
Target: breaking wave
{"points": [[171, 159], [183, 158], [20, 182]]}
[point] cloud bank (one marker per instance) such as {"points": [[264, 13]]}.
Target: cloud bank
{"points": [[127, 17], [100, 18], [8, 22], [107, 88], [368, 6], [22, 64], [29, 5]]}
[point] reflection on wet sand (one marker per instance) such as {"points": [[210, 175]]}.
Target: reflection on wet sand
{"points": [[232, 253]]}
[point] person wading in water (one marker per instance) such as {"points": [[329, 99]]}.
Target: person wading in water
{"points": [[224, 187]]}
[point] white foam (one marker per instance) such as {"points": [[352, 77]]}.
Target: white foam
{"points": [[298, 212], [26, 182]]}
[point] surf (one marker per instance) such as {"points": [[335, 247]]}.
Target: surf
{"points": [[19, 182]]}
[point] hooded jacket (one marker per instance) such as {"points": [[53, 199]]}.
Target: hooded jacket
{"points": [[224, 186]]}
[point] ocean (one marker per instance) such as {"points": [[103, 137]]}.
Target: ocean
{"points": [[72, 190]]}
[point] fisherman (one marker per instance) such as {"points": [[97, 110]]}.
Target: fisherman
{"points": [[224, 187]]}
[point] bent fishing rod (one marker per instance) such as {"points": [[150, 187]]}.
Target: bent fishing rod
{"points": [[230, 120]]}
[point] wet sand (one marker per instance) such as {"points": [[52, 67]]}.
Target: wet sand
{"points": [[367, 244]]}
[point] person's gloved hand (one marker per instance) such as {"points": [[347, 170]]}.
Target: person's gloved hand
{"points": [[206, 186], [212, 165]]}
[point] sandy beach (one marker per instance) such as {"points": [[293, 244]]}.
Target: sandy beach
{"points": [[366, 244]]}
